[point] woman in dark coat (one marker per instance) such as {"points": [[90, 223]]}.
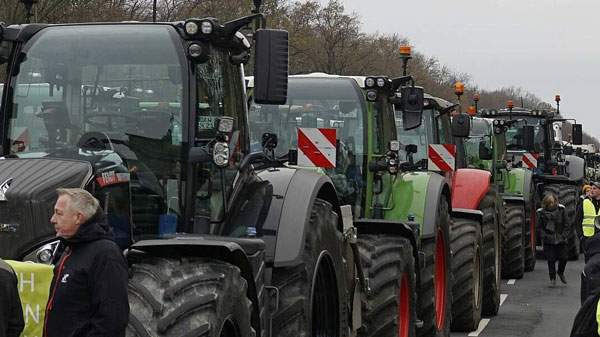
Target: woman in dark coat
{"points": [[554, 229]]}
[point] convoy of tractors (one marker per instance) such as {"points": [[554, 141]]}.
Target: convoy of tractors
{"points": [[274, 205]]}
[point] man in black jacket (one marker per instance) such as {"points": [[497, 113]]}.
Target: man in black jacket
{"points": [[88, 294], [11, 313], [590, 277]]}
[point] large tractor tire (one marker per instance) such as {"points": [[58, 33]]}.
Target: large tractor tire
{"points": [[513, 241], [467, 274], [530, 232], [491, 253], [188, 297], [436, 282], [307, 307], [567, 195], [388, 310]]}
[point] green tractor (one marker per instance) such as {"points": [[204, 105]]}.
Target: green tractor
{"points": [[486, 150], [409, 271], [534, 142], [152, 119], [470, 190]]}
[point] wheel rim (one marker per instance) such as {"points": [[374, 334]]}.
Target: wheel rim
{"points": [[404, 308], [440, 279], [324, 302]]}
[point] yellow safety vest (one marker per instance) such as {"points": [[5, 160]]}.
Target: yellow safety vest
{"points": [[589, 215], [598, 316]]}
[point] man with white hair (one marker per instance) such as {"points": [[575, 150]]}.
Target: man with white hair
{"points": [[88, 294]]}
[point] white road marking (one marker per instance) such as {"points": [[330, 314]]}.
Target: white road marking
{"points": [[503, 298], [511, 281], [482, 324]]}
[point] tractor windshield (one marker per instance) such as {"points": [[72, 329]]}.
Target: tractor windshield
{"points": [[479, 140], [118, 103], [421, 136], [313, 103], [514, 134]]}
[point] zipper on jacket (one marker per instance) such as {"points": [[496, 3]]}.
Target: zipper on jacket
{"points": [[49, 306]]}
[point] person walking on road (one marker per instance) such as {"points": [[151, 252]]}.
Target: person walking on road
{"points": [[11, 312], [554, 229], [590, 277], [88, 294], [587, 211]]}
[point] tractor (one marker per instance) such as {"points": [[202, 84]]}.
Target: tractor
{"points": [[486, 150], [369, 176], [151, 118], [532, 143]]}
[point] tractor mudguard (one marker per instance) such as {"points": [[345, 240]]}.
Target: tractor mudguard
{"points": [[303, 188], [464, 213], [414, 192], [576, 168], [518, 187], [469, 187]]}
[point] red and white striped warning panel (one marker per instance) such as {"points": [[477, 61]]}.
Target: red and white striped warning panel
{"points": [[441, 157], [530, 159], [316, 147]]}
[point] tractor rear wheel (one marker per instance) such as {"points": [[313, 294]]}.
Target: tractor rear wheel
{"points": [[436, 277], [567, 196], [307, 307], [530, 232], [389, 308], [491, 253], [467, 274], [188, 297], [513, 243]]}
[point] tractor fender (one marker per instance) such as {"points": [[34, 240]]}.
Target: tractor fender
{"points": [[576, 168], [303, 188], [246, 254], [519, 184], [463, 213], [469, 186], [416, 194], [436, 190]]}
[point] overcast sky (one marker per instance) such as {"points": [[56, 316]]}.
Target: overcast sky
{"points": [[546, 47]]}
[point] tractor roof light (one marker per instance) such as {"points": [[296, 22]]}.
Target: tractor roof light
{"points": [[511, 104], [381, 82], [493, 112], [557, 98], [501, 122], [459, 89], [476, 97], [191, 28], [471, 110], [496, 122], [405, 51]]}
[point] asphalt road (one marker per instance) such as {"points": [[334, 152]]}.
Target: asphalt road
{"points": [[533, 309]]}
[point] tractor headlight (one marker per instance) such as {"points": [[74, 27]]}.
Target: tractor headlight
{"points": [[502, 122], [195, 50], [369, 82], [206, 27], [225, 124], [394, 145], [493, 112], [43, 254], [380, 82], [221, 154], [371, 95], [191, 28], [496, 122]]}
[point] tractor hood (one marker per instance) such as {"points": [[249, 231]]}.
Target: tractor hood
{"points": [[27, 198]]}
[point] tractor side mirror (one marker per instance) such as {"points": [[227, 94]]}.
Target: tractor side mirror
{"points": [[484, 152], [528, 135], [271, 66], [412, 106], [461, 125], [577, 133]]}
